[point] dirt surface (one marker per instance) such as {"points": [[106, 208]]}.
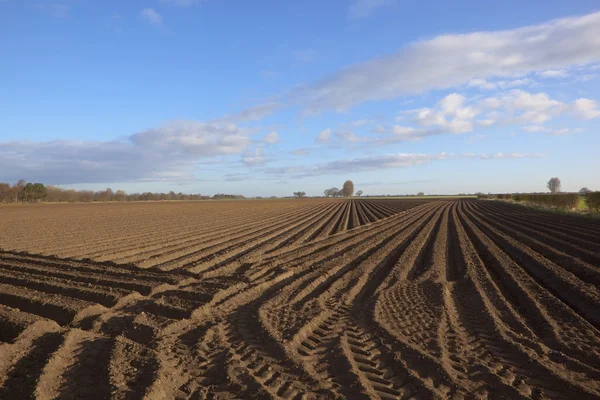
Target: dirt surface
{"points": [[318, 299]]}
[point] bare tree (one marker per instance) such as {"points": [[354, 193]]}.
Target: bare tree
{"points": [[299, 194], [359, 193], [584, 190], [17, 190], [554, 185], [334, 192], [420, 194], [348, 189], [5, 193]]}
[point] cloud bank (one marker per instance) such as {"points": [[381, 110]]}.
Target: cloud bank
{"points": [[452, 60]]}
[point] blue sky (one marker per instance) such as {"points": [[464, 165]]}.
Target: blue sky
{"points": [[271, 97]]}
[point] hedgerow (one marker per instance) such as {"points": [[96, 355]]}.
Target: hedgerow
{"points": [[593, 201], [563, 201]]}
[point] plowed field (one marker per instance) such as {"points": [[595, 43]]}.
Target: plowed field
{"points": [[300, 299]]}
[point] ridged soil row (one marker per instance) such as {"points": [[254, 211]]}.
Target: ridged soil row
{"points": [[513, 350], [470, 350], [187, 256], [299, 234], [572, 258], [549, 241], [570, 231], [107, 269], [108, 234], [527, 317], [378, 374], [576, 228], [370, 214], [255, 250], [260, 348], [327, 226], [301, 294], [307, 259], [306, 252], [197, 236], [361, 215], [569, 289], [315, 230], [418, 371]]}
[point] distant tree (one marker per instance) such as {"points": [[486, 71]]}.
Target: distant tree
{"points": [[120, 195], [554, 185], [5, 193], [359, 193], [33, 192], [420, 194], [299, 194], [348, 189], [584, 190], [333, 192], [17, 190]]}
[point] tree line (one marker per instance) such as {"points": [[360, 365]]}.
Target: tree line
{"points": [[346, 191], [27, 192]]}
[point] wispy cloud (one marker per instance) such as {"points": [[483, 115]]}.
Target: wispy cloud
{"points": [[306, 55], [388, 161], [253, 113], [363, 8], [182, 3], [553, 73], [56, 10], [271, 137], [255, 157], [300, 152], [324, 136], [152, 17], [452, 60]]}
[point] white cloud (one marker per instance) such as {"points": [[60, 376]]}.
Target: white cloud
{"points": [[449, 115], [350, 137], [498, 84], [255, 157], [553, 73], [565, 131], [534, 128], [451, 60], [549, 131], [324, 136], [195, 138], [271, 137], [388, 161], [360, 122], [518, 106], [486, 122], [586, 108], [151, 16], [167, 153], [454, 115], [363, 8], [253, 113]]}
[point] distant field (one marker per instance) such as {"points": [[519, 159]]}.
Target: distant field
{"points": [[428, 298], [420, 197]]}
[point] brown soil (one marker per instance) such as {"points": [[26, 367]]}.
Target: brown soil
{"points": [[318, 299]]}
